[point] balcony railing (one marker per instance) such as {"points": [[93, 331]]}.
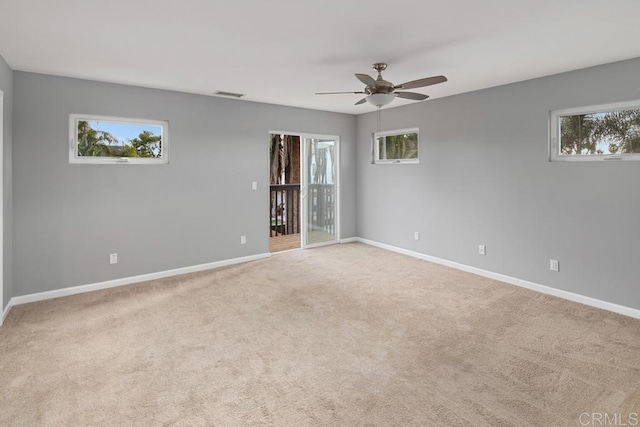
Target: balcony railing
{"points": [[285, 209], [322, 209]]}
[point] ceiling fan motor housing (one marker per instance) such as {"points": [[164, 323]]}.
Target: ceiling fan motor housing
{"points": [[382, 86]]}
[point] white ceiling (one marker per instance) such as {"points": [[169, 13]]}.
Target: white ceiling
{"points": [[283, 51]]}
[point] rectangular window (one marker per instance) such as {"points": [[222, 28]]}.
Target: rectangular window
{"points": [[113, 140], [398, 146], [601, 132]]}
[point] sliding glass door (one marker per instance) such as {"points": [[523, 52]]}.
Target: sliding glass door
{"points": [[320, 191]]}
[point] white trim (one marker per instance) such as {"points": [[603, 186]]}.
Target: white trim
{"points": [[349, 240], [41, 296], [2, 211], [5, 313], [376, 147], [600, 108], [305, 180], [554, 132], [73, 143], [593, 302]]}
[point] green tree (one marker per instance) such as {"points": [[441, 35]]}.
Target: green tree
{"points": [[622, 130], [145, 145], [93, 142], [403, 146], [615, 131], [578, 134]]}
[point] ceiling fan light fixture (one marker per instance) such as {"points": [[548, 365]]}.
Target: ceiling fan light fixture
{"points": [[380, 92], [380, 99]]}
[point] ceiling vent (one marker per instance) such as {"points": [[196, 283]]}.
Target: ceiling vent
{"points": [[229, 94]]}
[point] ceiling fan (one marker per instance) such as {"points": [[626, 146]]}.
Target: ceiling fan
{"points": [[380, 92]]}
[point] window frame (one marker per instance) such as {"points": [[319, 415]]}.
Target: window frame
{"points": [[376, 147], [96, 160], [554, 132]]}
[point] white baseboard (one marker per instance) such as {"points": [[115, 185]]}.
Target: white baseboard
{"points": [[40, 296], [349, 240], [6, 311], [620, 309]]}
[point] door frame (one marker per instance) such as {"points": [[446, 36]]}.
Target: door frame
{"points": [[304, 182], [305, 174], [2, 302]]}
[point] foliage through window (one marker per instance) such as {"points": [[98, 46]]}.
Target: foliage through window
{"points": [[596, 133], [399, 146], [101, 139]]}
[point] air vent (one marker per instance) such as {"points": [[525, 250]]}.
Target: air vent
{"points": [[229, 94]]}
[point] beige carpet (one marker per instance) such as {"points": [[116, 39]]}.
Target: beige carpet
{"points": [[347, 335]]}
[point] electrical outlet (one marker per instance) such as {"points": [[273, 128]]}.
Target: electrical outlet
{"points": [[416, 235], [243, 240], [113, 258], [482, 249], [554, 265], [254, 185]]}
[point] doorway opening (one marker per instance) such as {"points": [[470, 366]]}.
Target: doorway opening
{"points": [[285, 210], [303, 209], [2, 301]]}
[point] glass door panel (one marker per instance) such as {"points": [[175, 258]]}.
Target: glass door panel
{"points": [[320, 192]]}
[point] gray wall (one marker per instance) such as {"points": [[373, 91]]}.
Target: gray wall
{"points": [[484, 178], [6, 86], [68, 218]]}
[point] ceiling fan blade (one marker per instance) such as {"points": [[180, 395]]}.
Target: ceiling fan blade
{"points": [[362, 101], [366, 79], [334, 93], [411, 95], [422, 82]]}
